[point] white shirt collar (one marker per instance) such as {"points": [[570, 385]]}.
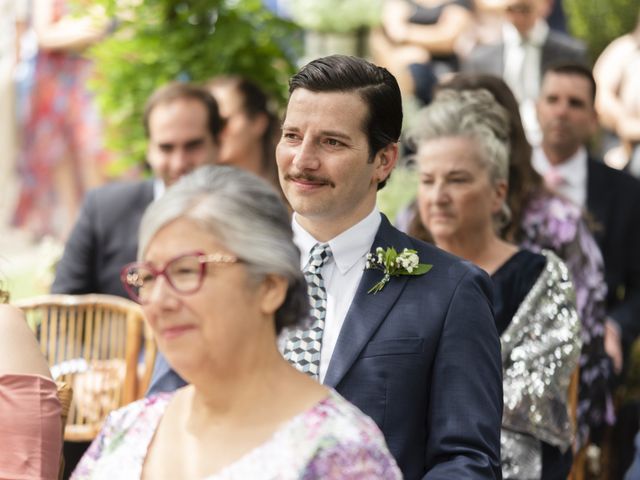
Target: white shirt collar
{"points": [[347, 248], [573, 170], [537, 35], [158, 188]]}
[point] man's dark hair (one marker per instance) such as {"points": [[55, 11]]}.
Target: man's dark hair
{"points": [[572, 68], [376, 86], [178, 91]]}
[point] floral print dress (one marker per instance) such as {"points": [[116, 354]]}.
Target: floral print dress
{"points": [[331, 440], [553, 222]]}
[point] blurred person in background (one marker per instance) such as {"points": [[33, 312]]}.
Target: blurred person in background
{"points": [[251, 129], [541, 219], [462, 141], [13, 22], [183, 129], [527, 46], [618, 100], [568, 119], [62, 152], [417, 41]]}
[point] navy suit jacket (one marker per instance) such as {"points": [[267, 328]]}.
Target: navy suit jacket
{"points": [[104, 239], [558, 47], [613, 198], [422, 359]]}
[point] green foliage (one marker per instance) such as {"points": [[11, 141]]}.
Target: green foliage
{"points": [[158, 41], [336, 15], [598, 22], [399, 192]]}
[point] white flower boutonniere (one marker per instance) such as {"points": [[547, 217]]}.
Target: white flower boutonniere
{"points": [[394, 264]]}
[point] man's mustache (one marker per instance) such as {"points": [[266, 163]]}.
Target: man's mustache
{"points": [[306, 177]]}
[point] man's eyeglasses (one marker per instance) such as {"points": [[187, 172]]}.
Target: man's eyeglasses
{"points": [[184, 273]]}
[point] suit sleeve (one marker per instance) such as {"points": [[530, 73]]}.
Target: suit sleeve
{"points": [[76, 271], [627, 312], [465, 405], [164, 378]]}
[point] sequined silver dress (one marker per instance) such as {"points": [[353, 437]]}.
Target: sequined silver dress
{"points": [[540, 351]]}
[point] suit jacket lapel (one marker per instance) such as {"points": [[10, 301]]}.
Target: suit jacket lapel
{"points": [[367, 311]]}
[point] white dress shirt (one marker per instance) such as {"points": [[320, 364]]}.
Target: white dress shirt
{"points": [[341, 274], [522, 64], [158, 188], [573, 172]]}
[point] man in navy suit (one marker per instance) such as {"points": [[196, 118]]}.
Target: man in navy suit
{"points": [[568, 120], [422, 356], [183, 125]]}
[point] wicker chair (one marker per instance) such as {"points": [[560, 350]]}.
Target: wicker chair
{"points": [[93, 343]]}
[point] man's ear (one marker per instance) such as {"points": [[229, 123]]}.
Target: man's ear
{"points": [[385, 161]]}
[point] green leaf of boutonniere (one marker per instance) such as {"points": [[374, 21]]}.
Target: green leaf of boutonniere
{"points": [[394, 264]]}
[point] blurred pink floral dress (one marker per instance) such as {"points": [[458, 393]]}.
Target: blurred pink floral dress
{"points": [[62, 124], [332, 440]]}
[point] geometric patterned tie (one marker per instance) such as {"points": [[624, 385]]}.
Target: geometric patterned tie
{"points": [[303, 346]]}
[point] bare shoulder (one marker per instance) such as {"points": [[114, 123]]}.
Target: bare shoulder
{"points": [[11, 317]]}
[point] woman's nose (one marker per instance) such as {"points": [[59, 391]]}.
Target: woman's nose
{"points": [[159, 292], [439, 192]]}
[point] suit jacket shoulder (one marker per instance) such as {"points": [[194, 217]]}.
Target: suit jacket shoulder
{"points": [[104, 238], [560, 47], [613, 198], [485, 59], [610, 191], [118, 199]]}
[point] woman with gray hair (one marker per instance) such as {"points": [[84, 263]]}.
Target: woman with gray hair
{"points": [[463, 159], [218, 278]]}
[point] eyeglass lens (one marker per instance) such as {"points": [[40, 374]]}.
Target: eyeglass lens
{"points": [[183, 273]]}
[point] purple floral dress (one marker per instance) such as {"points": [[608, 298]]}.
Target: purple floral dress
{"points": [[331, 440], [554, 223]]}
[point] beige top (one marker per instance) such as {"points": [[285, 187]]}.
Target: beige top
{"points": [[619, 64]]}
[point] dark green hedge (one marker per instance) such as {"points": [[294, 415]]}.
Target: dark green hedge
{"points": [[598, 22]]}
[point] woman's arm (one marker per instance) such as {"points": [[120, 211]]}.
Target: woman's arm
{"points": [[608, 74], [439, 38], [69, 32], [19, 350]]}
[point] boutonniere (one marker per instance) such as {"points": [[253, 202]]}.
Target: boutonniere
{"points": [[394, 264]]}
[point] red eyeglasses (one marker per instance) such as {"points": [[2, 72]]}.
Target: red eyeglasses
{"points": [[184, 273]]}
